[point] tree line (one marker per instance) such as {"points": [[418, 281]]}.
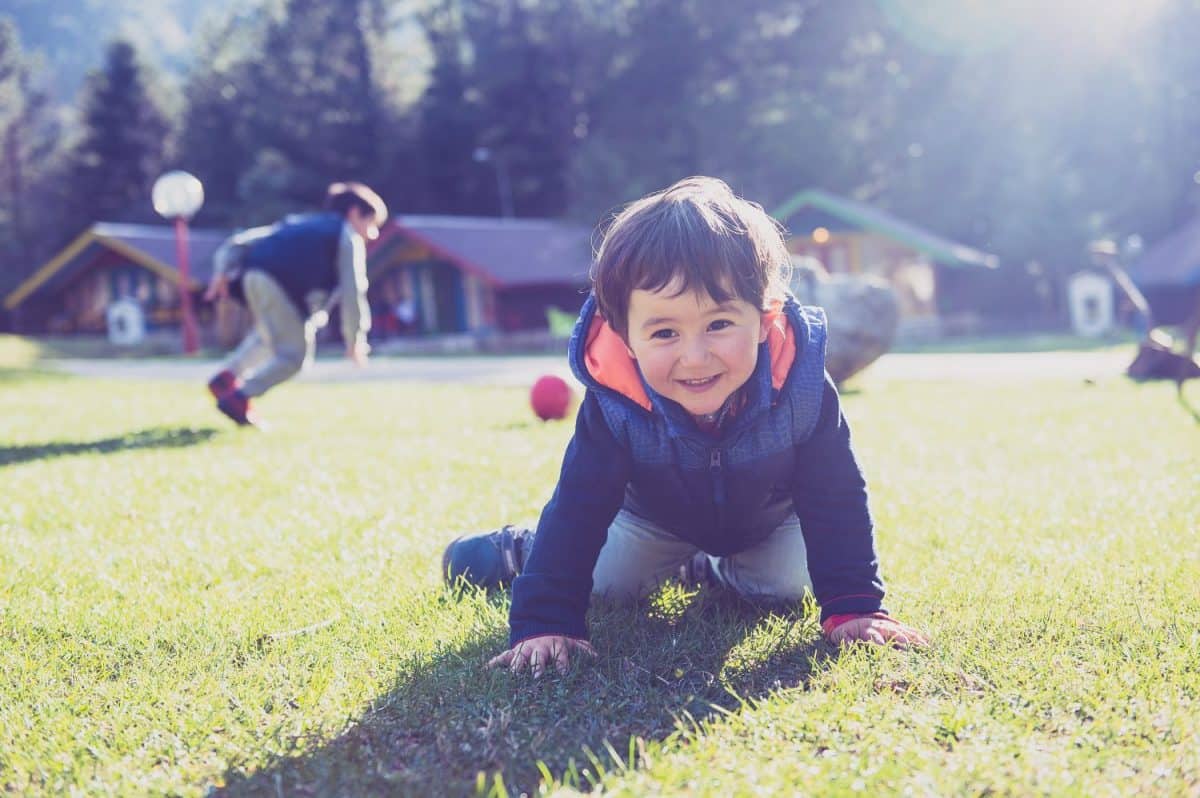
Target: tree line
{"points": [[1026, 146]]}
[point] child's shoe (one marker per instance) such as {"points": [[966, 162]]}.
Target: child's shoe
{"points": [[223, 384], [236, 405], [488, 559]]}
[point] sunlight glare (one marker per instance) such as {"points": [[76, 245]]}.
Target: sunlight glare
{"points": [[965, 26]]}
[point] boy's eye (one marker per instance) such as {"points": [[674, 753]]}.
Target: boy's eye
{"points": [[720, 324], [662, 335]]}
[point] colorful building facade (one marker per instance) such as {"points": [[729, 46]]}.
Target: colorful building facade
{"points": [[849, 237], [429, 275]]}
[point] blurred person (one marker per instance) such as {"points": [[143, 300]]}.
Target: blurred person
{"points": [[289, 275]]}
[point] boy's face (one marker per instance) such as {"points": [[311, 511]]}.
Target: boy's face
{"points": [[691, 349]]}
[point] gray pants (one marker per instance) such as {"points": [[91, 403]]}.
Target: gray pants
{"points": [[279, 344], [639, 555]]}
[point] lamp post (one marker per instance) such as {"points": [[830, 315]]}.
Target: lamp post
{"points": [[503, 187], [177, 196]]}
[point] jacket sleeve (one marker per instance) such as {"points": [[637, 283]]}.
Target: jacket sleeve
{"points": [[830, 497], [352, 283], [551, 595], [227, 260]]}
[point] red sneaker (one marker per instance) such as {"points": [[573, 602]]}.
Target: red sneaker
{"points": [[223, 384], [236, 405]]}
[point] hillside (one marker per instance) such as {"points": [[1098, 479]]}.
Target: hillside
{"points": [[70, 34]]}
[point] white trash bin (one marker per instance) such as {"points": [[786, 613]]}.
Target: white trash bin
{"points": [[1090, 297], [126, 323]]}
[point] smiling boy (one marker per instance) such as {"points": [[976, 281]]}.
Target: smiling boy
{"points": [[710, 443]]}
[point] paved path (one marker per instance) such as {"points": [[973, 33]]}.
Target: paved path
{"points": [[977, 367], [490, 370], [523, 370]]}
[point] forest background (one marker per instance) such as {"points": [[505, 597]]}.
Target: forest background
{"points": [[1022, 130]]}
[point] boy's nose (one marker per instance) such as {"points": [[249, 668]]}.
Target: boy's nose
{"points": [[695, 352]]}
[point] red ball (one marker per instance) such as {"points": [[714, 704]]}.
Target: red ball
{"points": [[550, 397]]}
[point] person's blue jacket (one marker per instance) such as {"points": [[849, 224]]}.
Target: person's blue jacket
{"points": [[301, 254], [787, 449]]}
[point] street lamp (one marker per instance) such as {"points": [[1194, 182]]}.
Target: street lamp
{"points": [[177, 196], [503, 187]]}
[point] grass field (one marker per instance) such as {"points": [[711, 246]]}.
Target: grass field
{"points": [[191, 609]]}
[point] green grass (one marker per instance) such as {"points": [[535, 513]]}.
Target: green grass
{"points": [[186, 606]]}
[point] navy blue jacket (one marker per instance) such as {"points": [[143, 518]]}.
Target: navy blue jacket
{"points": [[301, 254], [787, 449]]}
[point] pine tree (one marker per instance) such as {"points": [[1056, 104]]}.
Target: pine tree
{"points": [[214, 140], [449, 125], [510, 78], [122, 146], [29, 137], [315, 114]]}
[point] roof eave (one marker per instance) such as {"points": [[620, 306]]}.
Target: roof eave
{"points": [[47, 270], [398, 228], [956, 256]]}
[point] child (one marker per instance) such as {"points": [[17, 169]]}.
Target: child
{"points": [[286, 274], [710, 443]]}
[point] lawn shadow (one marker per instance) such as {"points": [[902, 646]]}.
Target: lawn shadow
{"points": [[152, 438], [456, 722]]}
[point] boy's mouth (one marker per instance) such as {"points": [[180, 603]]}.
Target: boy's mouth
{"points": [[699, 384]]}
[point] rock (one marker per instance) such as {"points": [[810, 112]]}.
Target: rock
{"points": [[863, 313]]}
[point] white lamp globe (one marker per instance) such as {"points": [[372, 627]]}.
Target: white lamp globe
{"points": [[177, 194]]}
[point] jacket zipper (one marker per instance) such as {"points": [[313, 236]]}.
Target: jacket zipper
{"points": [[714, 470]]}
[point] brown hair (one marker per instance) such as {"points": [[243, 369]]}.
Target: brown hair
{"points": [[699, 231], [341, 197]]}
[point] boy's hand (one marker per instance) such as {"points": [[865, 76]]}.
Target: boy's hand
{"points": [[358, 352], [218, 288], [875, 628], [536, 652]]}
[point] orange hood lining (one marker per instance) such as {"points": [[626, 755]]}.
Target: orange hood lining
{"points": [[609, 362]]}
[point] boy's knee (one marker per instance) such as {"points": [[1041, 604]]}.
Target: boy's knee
{"points": [[789, 593], [290, 360], [775, 595], [767, 585]]}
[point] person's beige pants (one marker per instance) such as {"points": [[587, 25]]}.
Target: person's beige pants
{"points": [[279, 344]]}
